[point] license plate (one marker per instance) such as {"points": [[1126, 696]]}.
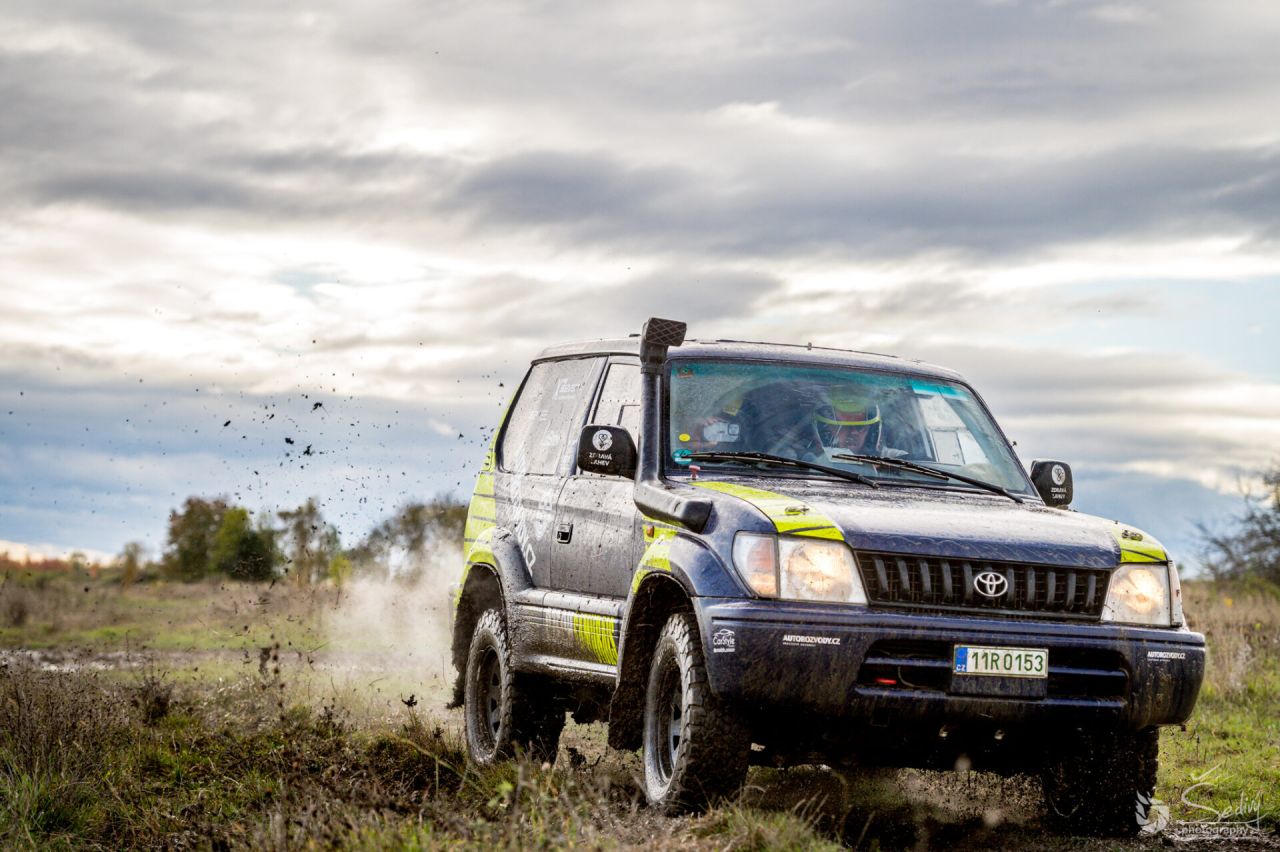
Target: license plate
{"points": [[1002, 662]]}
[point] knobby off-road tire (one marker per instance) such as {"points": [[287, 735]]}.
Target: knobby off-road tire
{"points": [[1102, 783], [505, 712], [695, 750]]}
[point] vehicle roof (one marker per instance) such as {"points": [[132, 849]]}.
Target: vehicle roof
{"points": [[746, 350]]}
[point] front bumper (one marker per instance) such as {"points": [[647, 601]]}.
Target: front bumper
{"points": [[885, 666]]}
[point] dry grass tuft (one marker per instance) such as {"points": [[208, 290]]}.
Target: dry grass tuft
{"points": [[1241, 624]]}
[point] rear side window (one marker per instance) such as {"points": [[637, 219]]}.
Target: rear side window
{"points": [[547, 416], [620, 399]]}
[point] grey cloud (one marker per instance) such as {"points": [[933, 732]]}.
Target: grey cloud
{"points": [[314, 185], [116, 131], [975, 206], [911, 303], [600, 135], [593, 200], [1023, 370], [334, 162], [586, 191], [700, 295], [955, 299], [44, 108], [1146, 300], [525, 313], [857, 60], [148, 191]]}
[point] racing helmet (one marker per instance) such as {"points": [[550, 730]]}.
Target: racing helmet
{"points": [[849, 422]]}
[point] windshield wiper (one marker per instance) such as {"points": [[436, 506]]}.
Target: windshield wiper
{"points": [[784, 461], [878, 461]]}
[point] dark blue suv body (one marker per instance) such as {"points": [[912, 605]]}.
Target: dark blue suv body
{"points": [[745, 553]]}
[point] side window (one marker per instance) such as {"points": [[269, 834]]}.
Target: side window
{"points": [[547, 416], [619, 403]]}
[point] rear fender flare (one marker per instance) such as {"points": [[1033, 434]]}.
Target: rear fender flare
{"points": [[496, 553]]}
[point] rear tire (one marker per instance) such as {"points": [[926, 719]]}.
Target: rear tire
{"points": [[506, 712], [695, 749], [1102, 783]]}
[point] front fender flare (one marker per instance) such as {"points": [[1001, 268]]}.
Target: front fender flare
{"points": [[675, 569]]}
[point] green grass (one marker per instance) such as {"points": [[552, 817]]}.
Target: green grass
{"points": [[69, 612], [1229, 753], [221, 747]]}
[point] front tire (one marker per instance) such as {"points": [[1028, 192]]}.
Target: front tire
{"points": [[505, 712], [695, 749], [1103, 783]]}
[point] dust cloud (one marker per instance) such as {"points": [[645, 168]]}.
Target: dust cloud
{"points": [[395, 630]]}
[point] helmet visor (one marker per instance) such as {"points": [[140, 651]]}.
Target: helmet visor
{"points": [[850, 422]]}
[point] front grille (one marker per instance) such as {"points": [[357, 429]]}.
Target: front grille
{"points": [[928, 582]]}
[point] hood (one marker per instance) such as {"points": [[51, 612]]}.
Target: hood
{"points": [[947, 524]]}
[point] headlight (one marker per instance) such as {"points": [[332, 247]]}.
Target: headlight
{"points": [[798, 568], [756, 558], [1139, 594]]}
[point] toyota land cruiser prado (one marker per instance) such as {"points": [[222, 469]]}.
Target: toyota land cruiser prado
{"points": [[739, 553]]}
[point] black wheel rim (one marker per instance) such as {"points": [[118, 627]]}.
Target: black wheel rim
{"points": [[664, 731], [488, 708]]}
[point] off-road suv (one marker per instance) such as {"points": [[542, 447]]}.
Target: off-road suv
{"points": [[814, 556]]}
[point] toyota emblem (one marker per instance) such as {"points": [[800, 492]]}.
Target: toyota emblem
{"points": [[991, 584]]}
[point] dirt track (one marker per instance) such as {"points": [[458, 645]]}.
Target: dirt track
{"points": [[895, 809]]}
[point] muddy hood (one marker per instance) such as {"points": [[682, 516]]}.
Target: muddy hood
{"points": [[961, 525]]}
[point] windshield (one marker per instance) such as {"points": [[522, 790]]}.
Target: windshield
{"points": [[818, 414]]}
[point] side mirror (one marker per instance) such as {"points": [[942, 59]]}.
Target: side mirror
{"points": [[1053, 480], [608, 450]]}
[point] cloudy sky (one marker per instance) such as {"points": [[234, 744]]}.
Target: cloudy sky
{"points": [[214, 216]]}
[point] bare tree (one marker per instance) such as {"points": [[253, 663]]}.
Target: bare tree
{"points": [[130, 562], [310, 543], [403, 543], [1251, 547]]}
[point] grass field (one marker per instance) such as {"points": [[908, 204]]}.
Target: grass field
{"points": [[216, 716]]}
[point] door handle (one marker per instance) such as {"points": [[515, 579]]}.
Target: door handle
{"points": [[564, 532]]}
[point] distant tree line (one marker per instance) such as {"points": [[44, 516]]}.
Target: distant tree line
{"points": [[213, 537], [207, 537]]}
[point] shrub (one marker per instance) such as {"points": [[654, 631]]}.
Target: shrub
{"points": [[17, 606]]}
